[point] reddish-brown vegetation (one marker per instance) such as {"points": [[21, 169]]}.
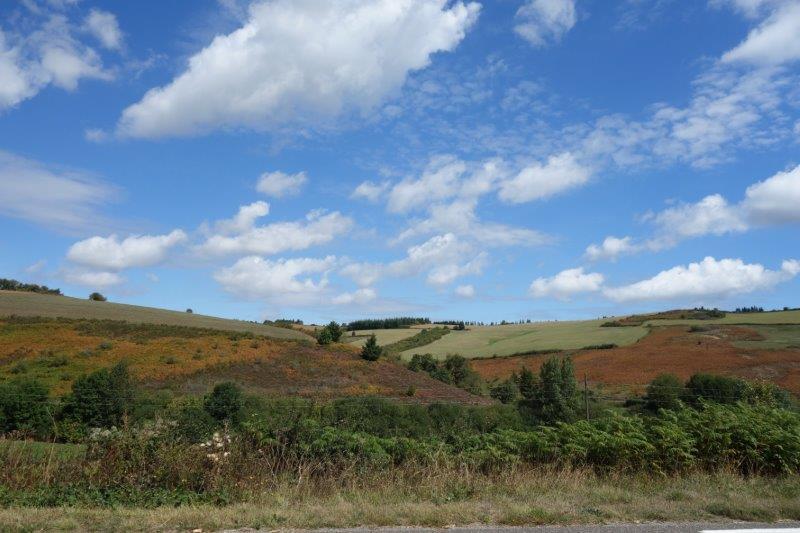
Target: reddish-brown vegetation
{"points": [[671, 349]]}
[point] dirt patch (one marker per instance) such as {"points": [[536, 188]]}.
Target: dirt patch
{"points": [[672, 349]]}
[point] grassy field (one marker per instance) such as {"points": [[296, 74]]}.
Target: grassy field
{"points": [[775, 337], [524, 497], [488, 341], [776, 317], [31, 304], [384, 336]]}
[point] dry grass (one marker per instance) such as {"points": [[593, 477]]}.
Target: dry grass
{"points": [[487, 341], [31, 304], [392, 498]]}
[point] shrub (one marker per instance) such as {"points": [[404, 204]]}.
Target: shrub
{"points": [[555, 396], [664, 392], [24, 407], [505, 391], [102, 398], [371, 351], [97, 297], [425, 363], [225, 403], [324, 337], [189, 310]]}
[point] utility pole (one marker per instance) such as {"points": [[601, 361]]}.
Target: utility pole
{"points": [[586, 394]]}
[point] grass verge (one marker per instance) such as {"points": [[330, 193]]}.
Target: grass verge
{"points": [[524, 497]]}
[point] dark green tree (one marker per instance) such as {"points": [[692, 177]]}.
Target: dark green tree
{"points": [[526, 382], [324, 336], [102, 398], [371, 351], [422, 362], [24, 407], [225, 403], [97, 297], [664, 392], [505, 391]]}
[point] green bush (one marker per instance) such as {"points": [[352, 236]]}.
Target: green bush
{"points": [[101, 399], [664, 392], [505, 391], [97, 297], [371, 351], [24, 407], [225, 403]]}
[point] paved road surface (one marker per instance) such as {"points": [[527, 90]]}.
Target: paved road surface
{"points": [[661, 527]]}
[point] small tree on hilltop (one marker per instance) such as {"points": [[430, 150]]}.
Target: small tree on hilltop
{"points": [[97, 297], [371, 351], [324, 336], [335, 330]]}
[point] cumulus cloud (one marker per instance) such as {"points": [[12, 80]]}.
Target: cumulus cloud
{"points": [[566, 283], [774, 41], [611, 248], [538, 181], [301, 61], [439, 181], [772, 201], [542, 22], [241, 236], [712, 215], [104, 26], [93, 279], [710, 278], [776, 199], [363, 274], [445, 258], [279, 184], [465, 291], [111, 253], [50, 54], [54, 197], [360, 297], [370, 191], [299, 281]]}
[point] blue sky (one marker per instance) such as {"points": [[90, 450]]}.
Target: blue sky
{"points": [[543, 159]]}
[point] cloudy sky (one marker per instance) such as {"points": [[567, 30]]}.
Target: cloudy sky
{"points": [[504, 159]]}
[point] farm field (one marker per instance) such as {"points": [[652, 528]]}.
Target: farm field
{"points": [[488, 341], [772, 317], [32, 304], [676, 350], [384, 336]]}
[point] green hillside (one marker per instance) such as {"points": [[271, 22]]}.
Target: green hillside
{"points": [[32, 304]]}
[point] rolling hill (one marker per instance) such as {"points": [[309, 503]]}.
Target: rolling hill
{"points": [[32, 304]]}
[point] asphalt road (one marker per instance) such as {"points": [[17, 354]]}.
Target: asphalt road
{"points": [[660, 527]]}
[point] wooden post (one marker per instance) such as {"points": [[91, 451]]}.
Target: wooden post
{"points": [[586, 394]]}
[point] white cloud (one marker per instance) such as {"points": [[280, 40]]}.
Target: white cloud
{"points": [[774, 41], [244, 220], [444, 257], [279, 184], [459, 218], [110, 253], [566, 283], [317, 228], [48, 54], [538, 181], [541, 22], [300, 281], [92, 279], [301, 61], [36, 267], [465, 291], [363, 274], [611, 248], [710, 216], [360, 297], [104, 26], [776, 199], [370, 191], [706, 279], [439, 181], [58, 198]]}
